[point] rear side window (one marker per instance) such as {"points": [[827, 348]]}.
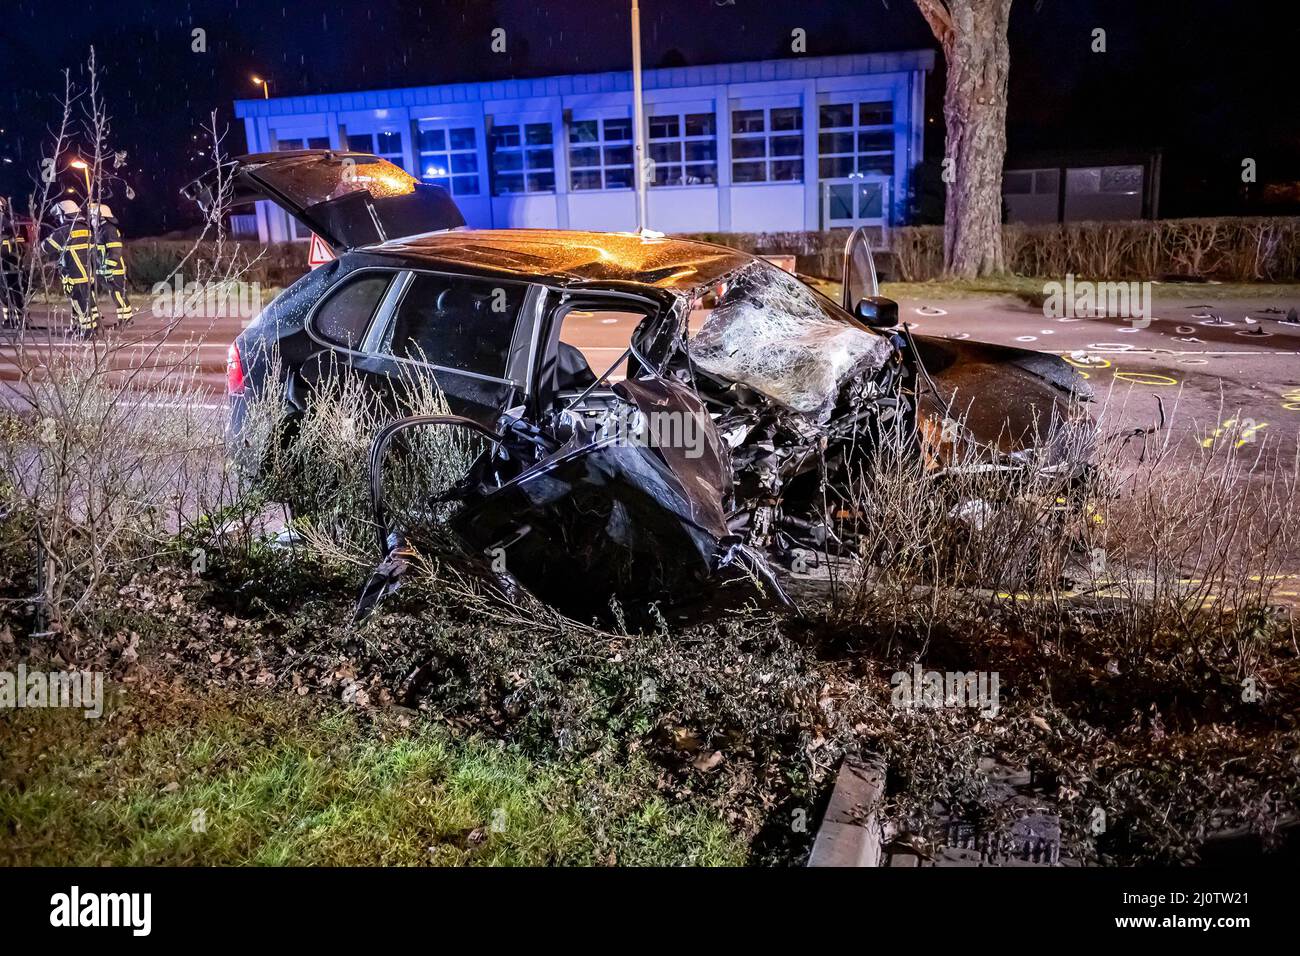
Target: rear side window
{"points": [[345, 315], [457, 322]]}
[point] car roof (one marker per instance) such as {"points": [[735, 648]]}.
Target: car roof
{"points": [[678, 265]]}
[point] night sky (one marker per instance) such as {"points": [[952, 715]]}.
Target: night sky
{"points": [[1207, 81]]}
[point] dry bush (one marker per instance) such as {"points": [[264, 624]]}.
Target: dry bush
{"points": [[107, 475], [150, 261], [1193, 248], [1183, 551], [933, 539], [918, 253], [114, 449], [318, 465], [1194, 544], [1231, 249]]}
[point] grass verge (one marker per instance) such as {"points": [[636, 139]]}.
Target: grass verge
{"points": [[214, 778]]}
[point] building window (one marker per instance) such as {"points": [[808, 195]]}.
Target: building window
{"points": [[522, 159], [1031, 182], [384, 145], [600, 154], [856, 138], [311, 142], [449, 157], [767, 145], [684, 148]]}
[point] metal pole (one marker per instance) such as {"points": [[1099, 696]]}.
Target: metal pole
{"points": [[638, 110]]}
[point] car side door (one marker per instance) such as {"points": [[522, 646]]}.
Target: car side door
{"points": [[466, 333]]}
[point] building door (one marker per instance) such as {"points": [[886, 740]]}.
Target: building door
{"points": [[855, 201]]}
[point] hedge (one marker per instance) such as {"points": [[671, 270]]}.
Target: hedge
{"points": [[149, 261], [1230, 249]]}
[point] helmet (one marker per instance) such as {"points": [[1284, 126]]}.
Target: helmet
{"points": [[65, 209], [99, 212]]}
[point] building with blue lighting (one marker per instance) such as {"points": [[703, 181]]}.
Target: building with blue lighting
{"points": [[773, 145]]}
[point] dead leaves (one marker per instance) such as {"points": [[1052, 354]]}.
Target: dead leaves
{"points": [[706, 763]]}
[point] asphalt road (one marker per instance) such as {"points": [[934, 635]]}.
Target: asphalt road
{"points": [[1208, 371]]}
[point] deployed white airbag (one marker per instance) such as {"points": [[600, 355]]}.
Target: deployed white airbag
{"points": [[772, 333]]}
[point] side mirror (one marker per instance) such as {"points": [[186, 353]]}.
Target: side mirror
{"points": [[877, 312]]}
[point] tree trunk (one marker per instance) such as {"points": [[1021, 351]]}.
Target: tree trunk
{"points": [[973, 34]]}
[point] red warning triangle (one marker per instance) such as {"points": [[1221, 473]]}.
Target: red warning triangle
{"points": [[319, 253]]}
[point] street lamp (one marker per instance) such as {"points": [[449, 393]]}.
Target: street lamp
{"points": [[85, 171], [265, 85]]}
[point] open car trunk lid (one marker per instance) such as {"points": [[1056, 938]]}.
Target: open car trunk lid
{"points": [[348, 199]]}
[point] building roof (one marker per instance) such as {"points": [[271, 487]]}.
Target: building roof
{"points": [[754, 71], [673, 264]]}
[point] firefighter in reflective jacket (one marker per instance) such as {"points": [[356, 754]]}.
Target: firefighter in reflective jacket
{"points": [[71, 240], [13, 243], [110, 262]]}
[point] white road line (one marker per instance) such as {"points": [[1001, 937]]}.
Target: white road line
{"points": [[1142, 351]]}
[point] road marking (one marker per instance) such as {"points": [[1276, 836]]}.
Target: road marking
{"points": [[1153, 351], [1245, 427], [1091, 363], [1146, 378]]}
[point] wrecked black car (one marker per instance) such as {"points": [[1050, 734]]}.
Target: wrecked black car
{"points": [[654, 417]]}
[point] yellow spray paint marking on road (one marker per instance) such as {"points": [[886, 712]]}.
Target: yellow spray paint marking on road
{"points": [[1291, 399], [1244, 429], [1094, 363], [1146, 378]]}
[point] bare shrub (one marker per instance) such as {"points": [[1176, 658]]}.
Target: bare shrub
{"points": [[1181, 551], [107, 474], [1193, 248], [959, 524], [1194, 545], [1232, 249], [918, 253], [114, 447], [319, 466]]}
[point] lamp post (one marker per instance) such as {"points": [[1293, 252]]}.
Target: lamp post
{"points": [[265, 85], [638, 120]]}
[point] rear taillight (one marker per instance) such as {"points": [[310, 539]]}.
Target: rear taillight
{"points": [[234, 371]]}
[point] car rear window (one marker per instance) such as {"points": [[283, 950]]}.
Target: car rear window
{"points": [[457, 322], [344, 316]]}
